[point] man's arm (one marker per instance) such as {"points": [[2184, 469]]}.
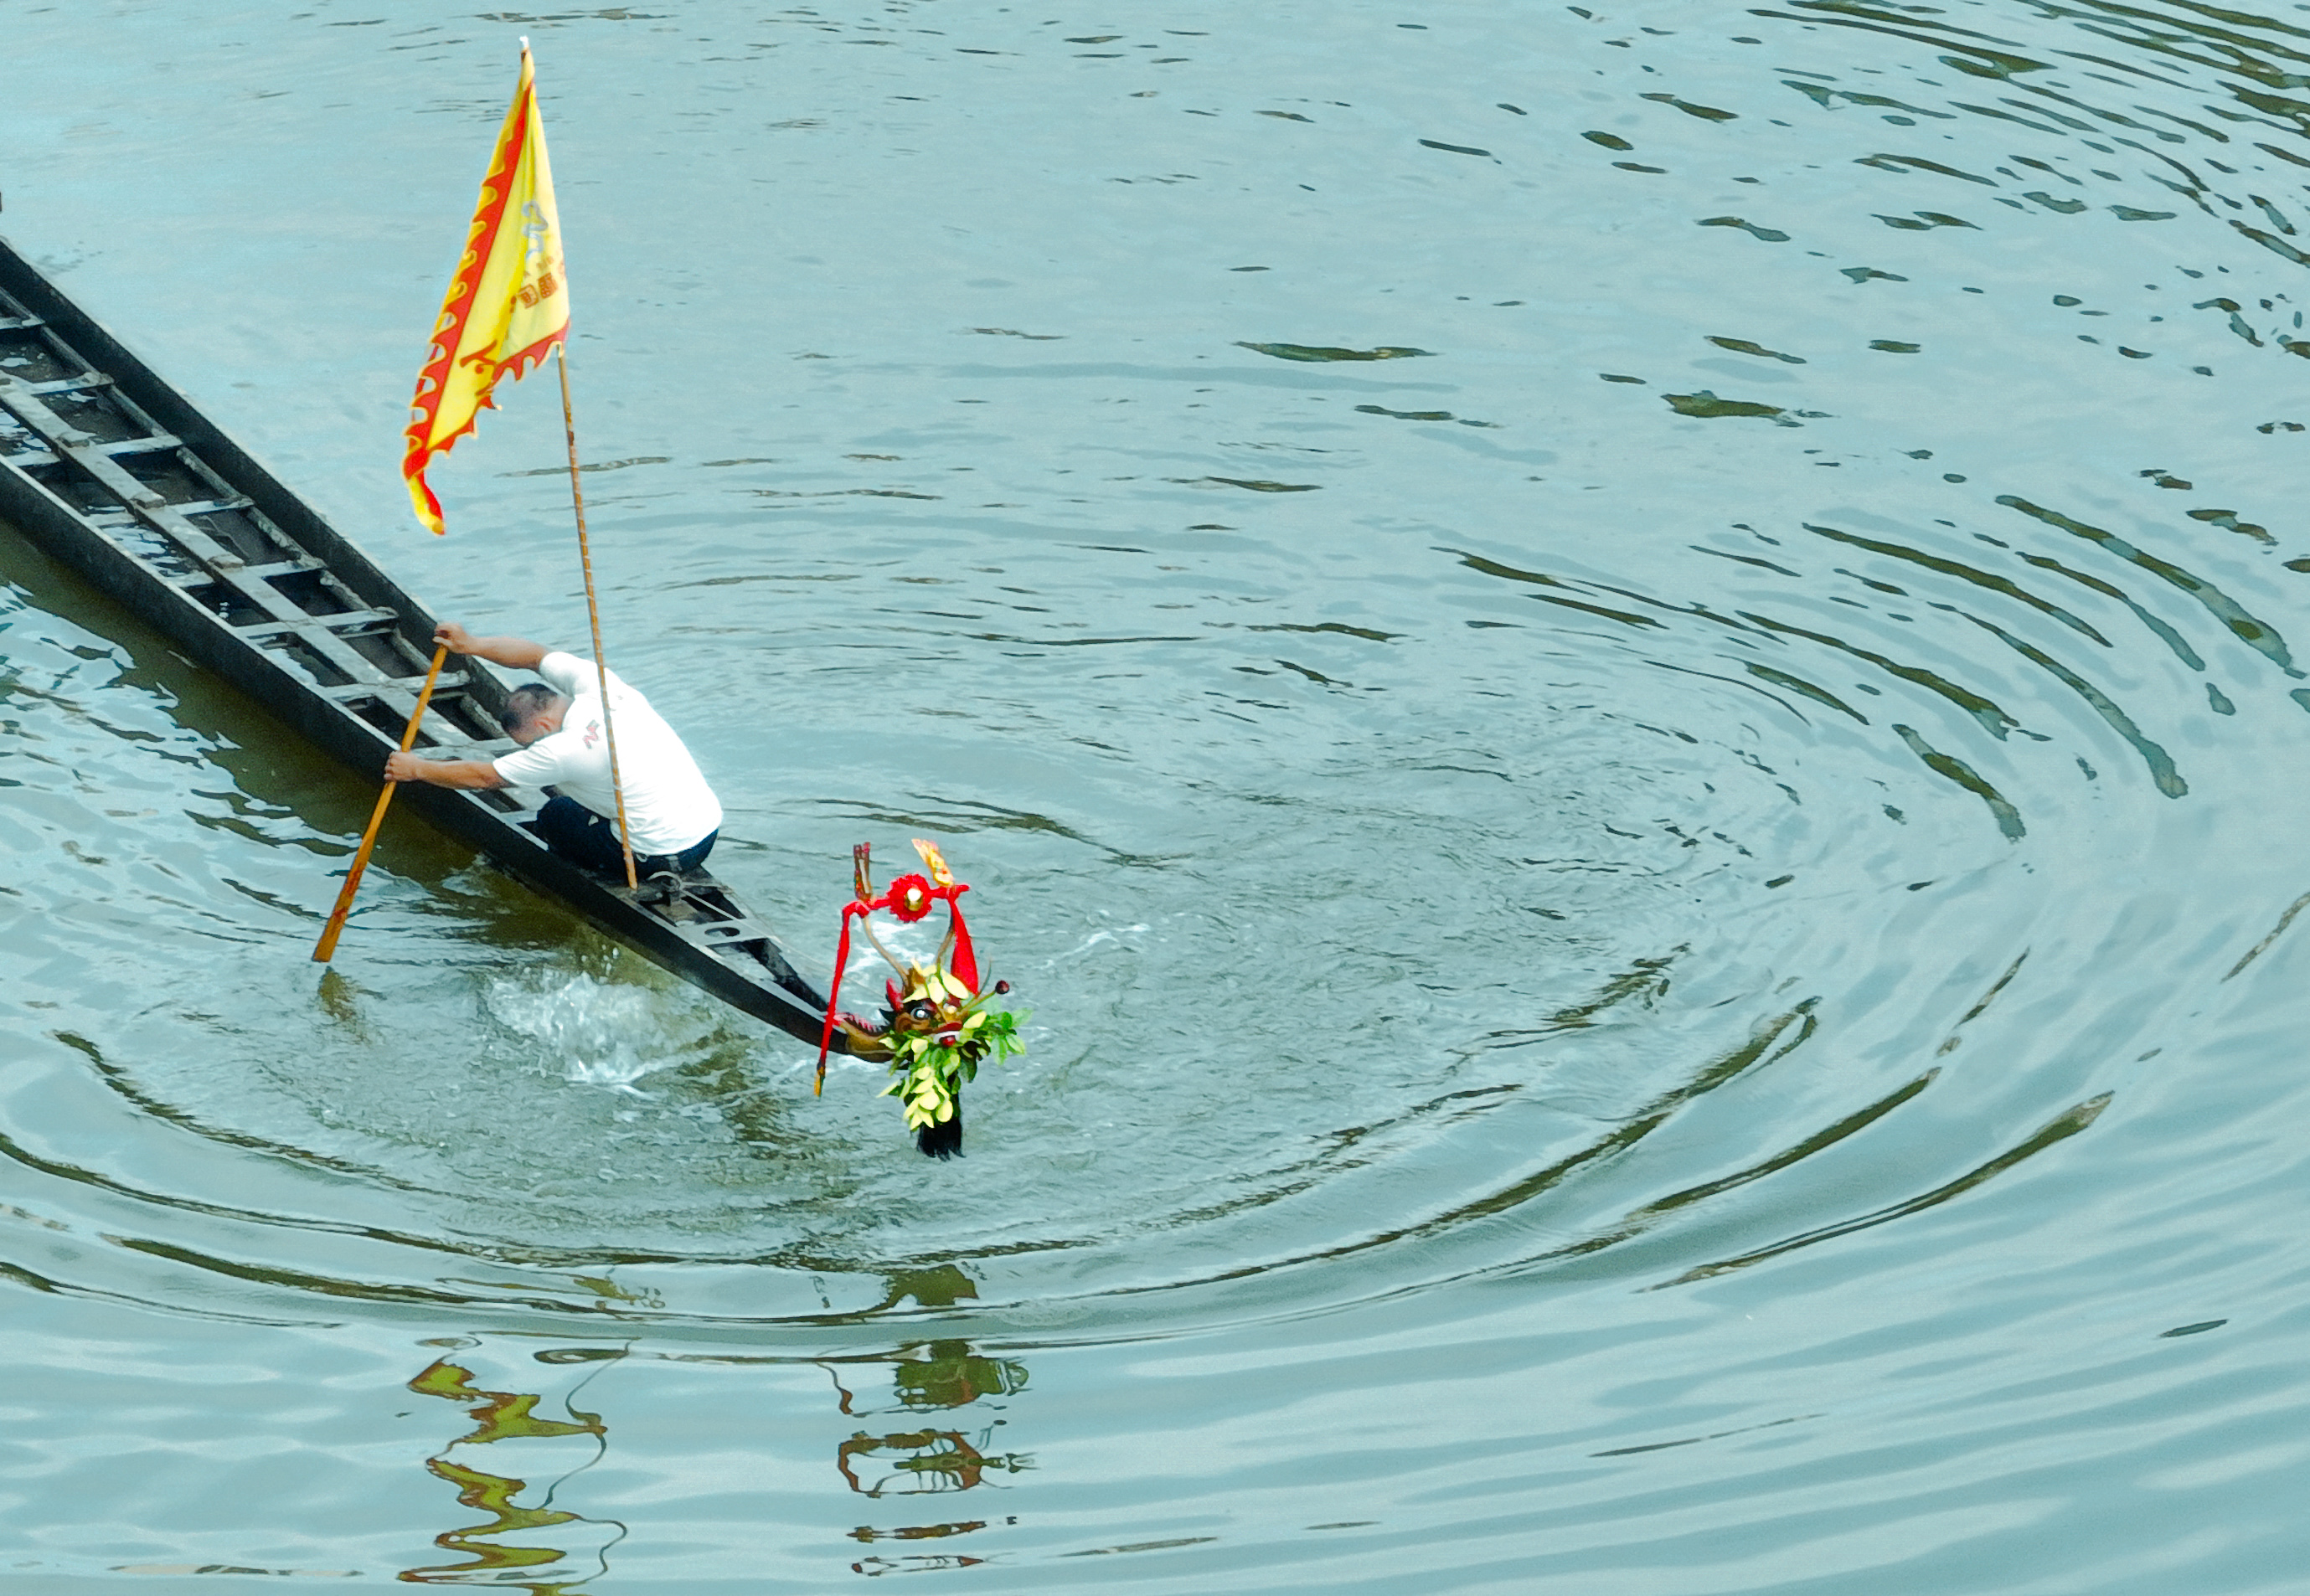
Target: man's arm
{"points": [[467, 773], [516, 654]]}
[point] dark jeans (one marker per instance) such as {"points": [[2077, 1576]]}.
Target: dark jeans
{"points": [[576, 833]]}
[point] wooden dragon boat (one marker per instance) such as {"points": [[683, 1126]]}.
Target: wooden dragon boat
{"points": [[113, 472]]}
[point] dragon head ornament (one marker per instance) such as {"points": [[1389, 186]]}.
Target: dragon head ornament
{"points": [[938, 1025]]}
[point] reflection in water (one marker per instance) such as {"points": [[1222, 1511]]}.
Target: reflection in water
{"points": [[499, 1416], [928, 1376]]}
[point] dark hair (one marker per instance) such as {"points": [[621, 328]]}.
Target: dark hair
{"points": [[525, 704]]}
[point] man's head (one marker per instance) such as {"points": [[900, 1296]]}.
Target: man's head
{"points": [[533, 711]]}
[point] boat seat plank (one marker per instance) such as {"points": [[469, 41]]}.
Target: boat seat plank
{"points": [[388, 688], [158, 443], [86, 382], [273, 571], [349, 622]]}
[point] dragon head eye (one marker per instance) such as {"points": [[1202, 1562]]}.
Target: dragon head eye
{"points": [[922, 1012]]}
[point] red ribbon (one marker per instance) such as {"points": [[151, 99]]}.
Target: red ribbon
{"points": [[966, 958], [966, 961]]}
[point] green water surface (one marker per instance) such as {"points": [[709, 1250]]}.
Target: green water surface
{"points": [[1621, 684]]}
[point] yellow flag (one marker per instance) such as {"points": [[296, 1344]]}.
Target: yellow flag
{"points": [[509, 303]]}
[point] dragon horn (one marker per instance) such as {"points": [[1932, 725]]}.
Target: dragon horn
{"points": [[860, 870], [934, 862]]}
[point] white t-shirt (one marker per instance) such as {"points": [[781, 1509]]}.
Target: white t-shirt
{"points": [[669, 807]]}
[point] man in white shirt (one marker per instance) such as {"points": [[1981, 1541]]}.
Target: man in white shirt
{"points": [[672, 813]]}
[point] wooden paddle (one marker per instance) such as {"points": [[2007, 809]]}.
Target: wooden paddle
{"points": [[328, 945]]}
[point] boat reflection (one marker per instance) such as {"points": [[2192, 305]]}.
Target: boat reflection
{"points": [[542, 1570], [910, 1438], [935, 1377]]}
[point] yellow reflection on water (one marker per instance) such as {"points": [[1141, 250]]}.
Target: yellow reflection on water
{"points": [[510, 1416]]}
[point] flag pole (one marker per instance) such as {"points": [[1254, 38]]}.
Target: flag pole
{"points": [[593, 608], [327, 946]]}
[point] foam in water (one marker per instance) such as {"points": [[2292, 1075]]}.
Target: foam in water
{"points": [[601, 1034]]}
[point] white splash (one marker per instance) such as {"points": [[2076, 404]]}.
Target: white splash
{"points": [[1115, 934], [601, 1035]]}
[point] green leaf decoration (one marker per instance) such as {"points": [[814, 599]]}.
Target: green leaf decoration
{"points": [[926, 1072]]}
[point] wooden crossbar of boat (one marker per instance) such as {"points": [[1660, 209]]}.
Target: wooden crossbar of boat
{"points": [[113, 472]]}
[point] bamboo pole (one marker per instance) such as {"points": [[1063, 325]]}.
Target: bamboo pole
{"points": [[593, 609], [328, 945]]}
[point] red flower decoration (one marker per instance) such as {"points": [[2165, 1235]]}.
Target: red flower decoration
{"points": [[910, 897]]}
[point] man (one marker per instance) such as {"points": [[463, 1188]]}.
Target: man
{"points": [[672, 813]]}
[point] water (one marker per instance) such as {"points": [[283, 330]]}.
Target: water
{"points": [[1660, 927]]}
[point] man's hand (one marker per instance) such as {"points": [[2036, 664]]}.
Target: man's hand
{"points": [[403, 767], [456, 638]]}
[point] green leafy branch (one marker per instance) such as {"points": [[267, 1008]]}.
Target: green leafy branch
{"points": [[930, 1072]]}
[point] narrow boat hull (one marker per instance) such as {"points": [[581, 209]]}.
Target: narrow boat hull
{"points": [[113, 472]]}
